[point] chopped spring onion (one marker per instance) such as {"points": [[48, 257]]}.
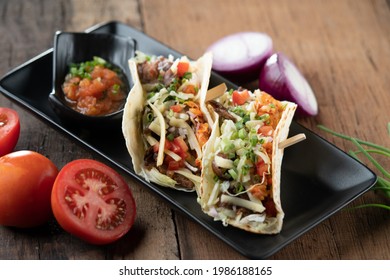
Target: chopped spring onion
{"points": [[170, 137], [242, 134], [233, 173]]}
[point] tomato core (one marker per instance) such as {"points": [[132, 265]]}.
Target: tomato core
{"points": [[95, 185]]}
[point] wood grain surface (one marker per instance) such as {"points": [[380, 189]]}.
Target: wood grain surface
{"points": [[342, 47]]}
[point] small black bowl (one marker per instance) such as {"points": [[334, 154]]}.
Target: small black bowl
{"points": [[69, 48]]}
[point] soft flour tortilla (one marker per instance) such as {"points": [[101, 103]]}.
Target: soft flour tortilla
{"points": [[132, 121], [271, 225]]}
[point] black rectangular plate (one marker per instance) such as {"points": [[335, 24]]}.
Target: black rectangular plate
{"points": [[318, 179]]}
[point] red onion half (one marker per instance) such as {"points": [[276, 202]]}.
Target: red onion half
{"points": [[239, 57], [281, 78]]}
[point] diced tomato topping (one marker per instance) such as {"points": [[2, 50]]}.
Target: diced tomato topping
{"points": [[182, 68], [261, 167], [265, 130], [177, 108], [189, 89], [240, 97], [179, 141], [175, 148], [175, 165]]}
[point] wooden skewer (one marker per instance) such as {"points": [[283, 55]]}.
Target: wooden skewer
{"points": [[216, 92], [292, 140]]}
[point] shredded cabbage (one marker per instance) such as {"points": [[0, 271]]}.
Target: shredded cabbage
{"points": [[194, 178], [255, 207], [253, 218], [175, 157], [155, 176], [223, 162], [155, 126], [182, 95], [213, 199], [160, 156], [151, 140]]}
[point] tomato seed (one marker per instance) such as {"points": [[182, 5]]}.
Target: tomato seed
{"points": [[95, 179]]}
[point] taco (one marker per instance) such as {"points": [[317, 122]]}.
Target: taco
{"points": [[242, 163], [165, 120]]}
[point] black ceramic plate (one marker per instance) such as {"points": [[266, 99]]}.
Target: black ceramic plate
{"points": [[318, 179]]}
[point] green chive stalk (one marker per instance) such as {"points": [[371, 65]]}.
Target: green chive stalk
{"points": [[383, 176]]}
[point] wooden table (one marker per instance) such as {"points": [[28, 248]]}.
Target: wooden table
{"points": [[341, 46]]}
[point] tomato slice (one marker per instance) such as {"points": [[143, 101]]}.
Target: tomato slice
{"points": [[93, 202], [240, 97], [9, 130]]}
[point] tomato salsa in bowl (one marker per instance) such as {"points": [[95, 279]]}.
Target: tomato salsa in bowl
{"points": [[90, 77]]}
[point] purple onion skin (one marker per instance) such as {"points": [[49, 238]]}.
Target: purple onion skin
{"points": [[275, 80], [244, 75], [256, 45]]}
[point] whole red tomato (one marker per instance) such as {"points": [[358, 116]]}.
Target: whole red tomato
{"points": [[26, 181], [9, 130], [93, 202]]}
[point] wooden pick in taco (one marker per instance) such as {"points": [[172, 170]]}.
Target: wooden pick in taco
{"points": [[242, 161], [165, 121]]}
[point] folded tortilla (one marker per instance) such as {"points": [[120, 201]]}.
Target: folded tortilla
{"points": [[242, 163], [165, 120]]}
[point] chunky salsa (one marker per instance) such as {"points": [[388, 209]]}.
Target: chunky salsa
{"points": [[94, 87]]}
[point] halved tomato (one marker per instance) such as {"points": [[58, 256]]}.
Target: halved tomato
{"points": [[93, 202], [9, 130]]}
